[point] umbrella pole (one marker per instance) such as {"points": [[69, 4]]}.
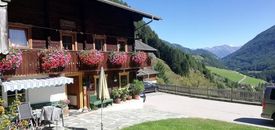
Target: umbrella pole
{"points": [[101, 115]]}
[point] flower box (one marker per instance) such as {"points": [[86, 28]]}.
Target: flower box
{"points": [[118, 58], [139, 57], [91, 57], [10, 61], [54, 59]]}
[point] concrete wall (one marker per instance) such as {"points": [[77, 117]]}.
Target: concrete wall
{"points": [[47, 94]]}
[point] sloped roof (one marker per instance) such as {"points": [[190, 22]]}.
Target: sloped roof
{"points": [[140, 46], [146, 71], [147, 15]]}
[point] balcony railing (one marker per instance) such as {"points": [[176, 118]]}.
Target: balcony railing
{"points": [[31, 65]]}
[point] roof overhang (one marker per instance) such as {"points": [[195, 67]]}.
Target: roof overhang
{"points": [[140, 46], [147, 15], [35, 83]]}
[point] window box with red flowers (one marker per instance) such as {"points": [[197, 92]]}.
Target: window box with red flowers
{"points": [[139, 57], [91, 57], [53, 60], [10, 61], [118, 58]]}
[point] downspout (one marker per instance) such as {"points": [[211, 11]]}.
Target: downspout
{"points": [[4, 46], [145, 24]]}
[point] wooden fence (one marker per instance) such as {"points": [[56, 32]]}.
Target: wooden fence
{"points": [[231, 95]]}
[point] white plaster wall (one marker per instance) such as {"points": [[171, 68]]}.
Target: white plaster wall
{"points": [[46, 94]]}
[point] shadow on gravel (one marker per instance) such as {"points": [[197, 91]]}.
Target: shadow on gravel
{"points": [[256, 121]]}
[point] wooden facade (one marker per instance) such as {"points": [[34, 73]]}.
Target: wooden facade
{"points": [[74, 25]]}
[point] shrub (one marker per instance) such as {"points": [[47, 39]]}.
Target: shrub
{"points": [[137, 87], [124, 92], [116, 93]]}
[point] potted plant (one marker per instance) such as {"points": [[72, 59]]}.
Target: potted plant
{"points": [[139, 57], [124, 93], [54, 59], [10, 61], [118, 58], [136, 88], [91, 57], [64, 105], [116, 94]]}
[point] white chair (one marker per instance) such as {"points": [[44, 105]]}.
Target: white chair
{"points": [[25, 113]]}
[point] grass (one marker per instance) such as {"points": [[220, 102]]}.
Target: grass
{"points": [[190, 124], [235, 76]]}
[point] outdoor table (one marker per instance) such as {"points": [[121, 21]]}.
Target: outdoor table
{"points": [[37, 115]]}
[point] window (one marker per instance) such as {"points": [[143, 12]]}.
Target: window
{"points": [[99, 42], [12, 96], [67, 42], [18, 37], [123, 79], [122, 44]]}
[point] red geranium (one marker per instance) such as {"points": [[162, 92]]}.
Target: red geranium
{"points": [[139, 57], [10, 61], [118, 58], [91, 57], [52, 59]]}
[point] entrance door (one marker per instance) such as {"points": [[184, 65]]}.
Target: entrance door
{"points": [[69, 41]]}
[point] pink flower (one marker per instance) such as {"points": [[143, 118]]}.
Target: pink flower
{"points": [[139, 57], [118, 58], [10, 61], [91, 57], [53, 59]]}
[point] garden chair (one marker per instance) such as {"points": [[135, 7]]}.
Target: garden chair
{"points": [[25, 113]]}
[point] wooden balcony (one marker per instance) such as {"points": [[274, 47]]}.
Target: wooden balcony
{"points": [[31, 65]]}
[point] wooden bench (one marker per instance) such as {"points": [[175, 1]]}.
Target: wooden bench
{"points": [[94, 102]]}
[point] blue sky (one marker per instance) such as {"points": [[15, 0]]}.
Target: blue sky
{"points": [[207, 23]]}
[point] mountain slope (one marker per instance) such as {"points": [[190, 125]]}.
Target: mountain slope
{"points": [[195, 79], [256, 57], [204, 56], [223, 50]]}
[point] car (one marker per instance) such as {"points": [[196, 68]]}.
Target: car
{"points": [[268, 103], [150, 87]]}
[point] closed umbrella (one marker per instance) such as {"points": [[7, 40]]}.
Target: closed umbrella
{"points": [[103, 92], [4, 47]]}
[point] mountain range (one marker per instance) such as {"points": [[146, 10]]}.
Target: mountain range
{"points": [[256, 57], [222, 50], [202, 55]]}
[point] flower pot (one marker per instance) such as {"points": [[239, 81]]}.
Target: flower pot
{"points": [[137, 97], [129, 97], [117, 100], [124, 99]]}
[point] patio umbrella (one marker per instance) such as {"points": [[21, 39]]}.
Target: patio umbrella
{"points": [[4, 47], [103, 92]]}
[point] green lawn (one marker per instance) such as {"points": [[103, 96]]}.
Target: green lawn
{"points": [[235, 76], [190, 124]]}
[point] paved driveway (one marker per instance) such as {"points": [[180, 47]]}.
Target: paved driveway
{"points": [[162, 106], [202, 108]]}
